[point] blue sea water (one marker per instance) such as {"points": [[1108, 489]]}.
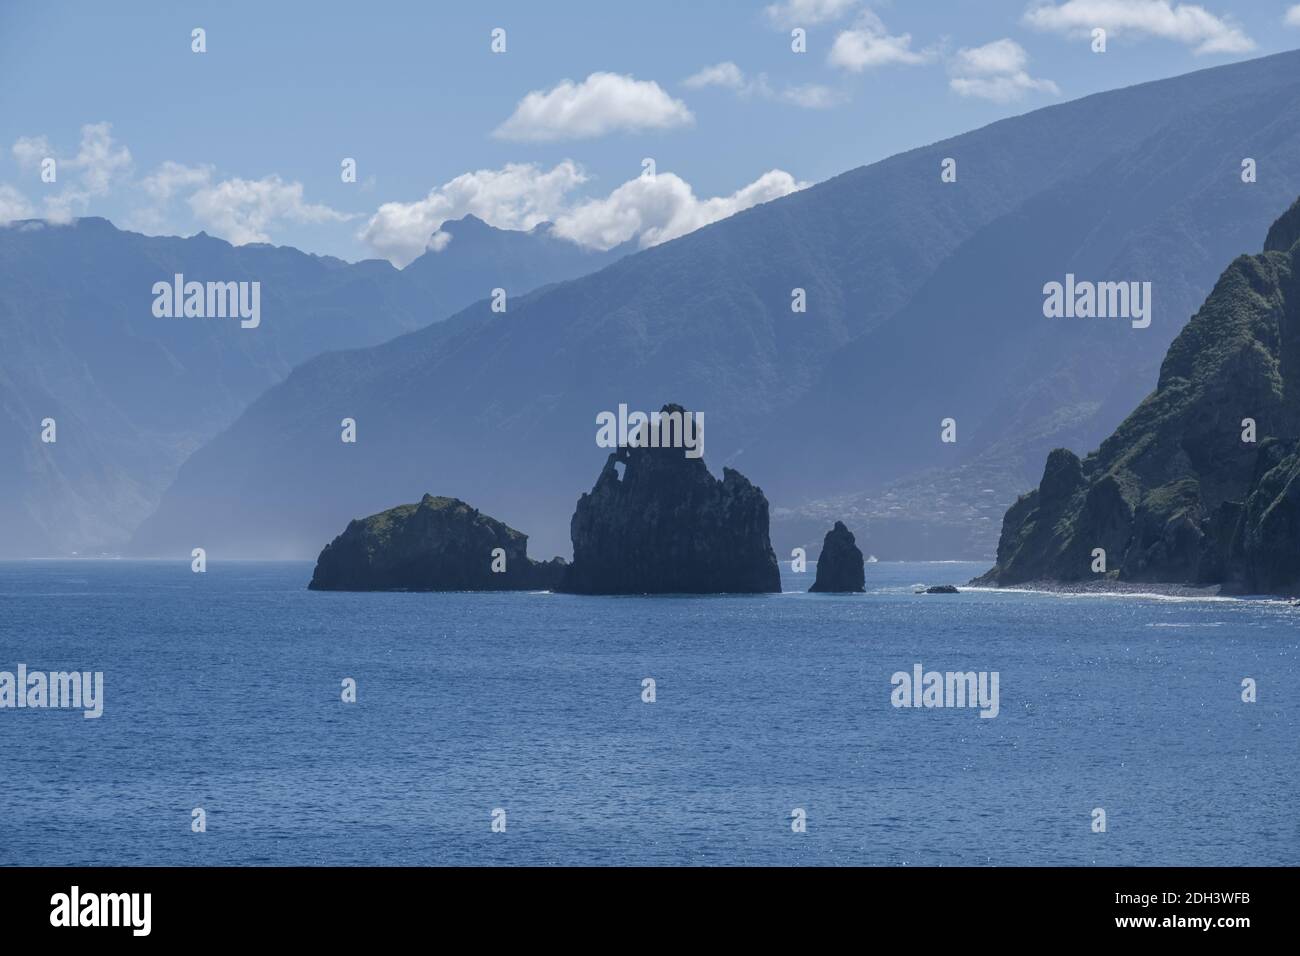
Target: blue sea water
{"points": [[223, 691]]}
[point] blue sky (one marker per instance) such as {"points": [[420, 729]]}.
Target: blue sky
{"points": [[245, 140]]}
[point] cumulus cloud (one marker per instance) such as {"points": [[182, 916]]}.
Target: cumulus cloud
{"points": [[995, 71], [159, 187], [654, 209], [650, 209], [728, 76], [517, 196], [172, 177], [1186, 23], [237, 210], [803, 13], [868, 44], [13, 205], [240, 210], [1292, 17], [99, 160], [811, 96], [243, 210], [97, 166], [30, 150], [603, 103]]}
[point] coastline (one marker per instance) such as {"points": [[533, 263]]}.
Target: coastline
{"points": [[1107, 587]]}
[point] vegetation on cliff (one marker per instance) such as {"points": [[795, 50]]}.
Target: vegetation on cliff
{"points": [[1199, 484], [438, 544]]}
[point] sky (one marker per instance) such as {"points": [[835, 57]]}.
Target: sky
{"points": [[247, 139]]}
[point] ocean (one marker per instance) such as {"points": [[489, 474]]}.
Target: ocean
{"points": [[223, 693]]}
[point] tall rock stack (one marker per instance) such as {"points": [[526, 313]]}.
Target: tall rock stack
{"points": [[667, 526], [840, 568]]}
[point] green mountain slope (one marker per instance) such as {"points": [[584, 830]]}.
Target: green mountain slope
{"points": [[1199, 484]]}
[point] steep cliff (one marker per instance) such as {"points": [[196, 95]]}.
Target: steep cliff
{"points": [[439, 544], [666, 525], [1198, 485]]}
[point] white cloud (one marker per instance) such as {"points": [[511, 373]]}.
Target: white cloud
{"points": [[657, 208], [726, 75], [99, 164], [803, 13], [731, 77], [30, 150], [1000, 56], [602, 103], [171, 177], [869, 44], [522, 196], [1292, 18], [1186, 23], [1000, 89], [99, 160], [242, 210], [239, 210], [518, 196], [811, 96], [995, 71], [160, 187], [13, 205]]}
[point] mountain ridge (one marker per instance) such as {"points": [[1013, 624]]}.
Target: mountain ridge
{"points": [[134, 395], [706, 319], [1200, 484]]}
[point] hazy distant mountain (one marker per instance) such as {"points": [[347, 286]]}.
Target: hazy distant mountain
{"points": [[924, 302], [134, 394]]}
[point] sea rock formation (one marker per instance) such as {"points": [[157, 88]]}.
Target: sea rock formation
{"points": [[941, 589], [1199, 484], [840, 566], [665, 525], [438, 544]]}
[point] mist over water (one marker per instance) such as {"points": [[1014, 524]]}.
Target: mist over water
{"points": [[222, 691]]}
